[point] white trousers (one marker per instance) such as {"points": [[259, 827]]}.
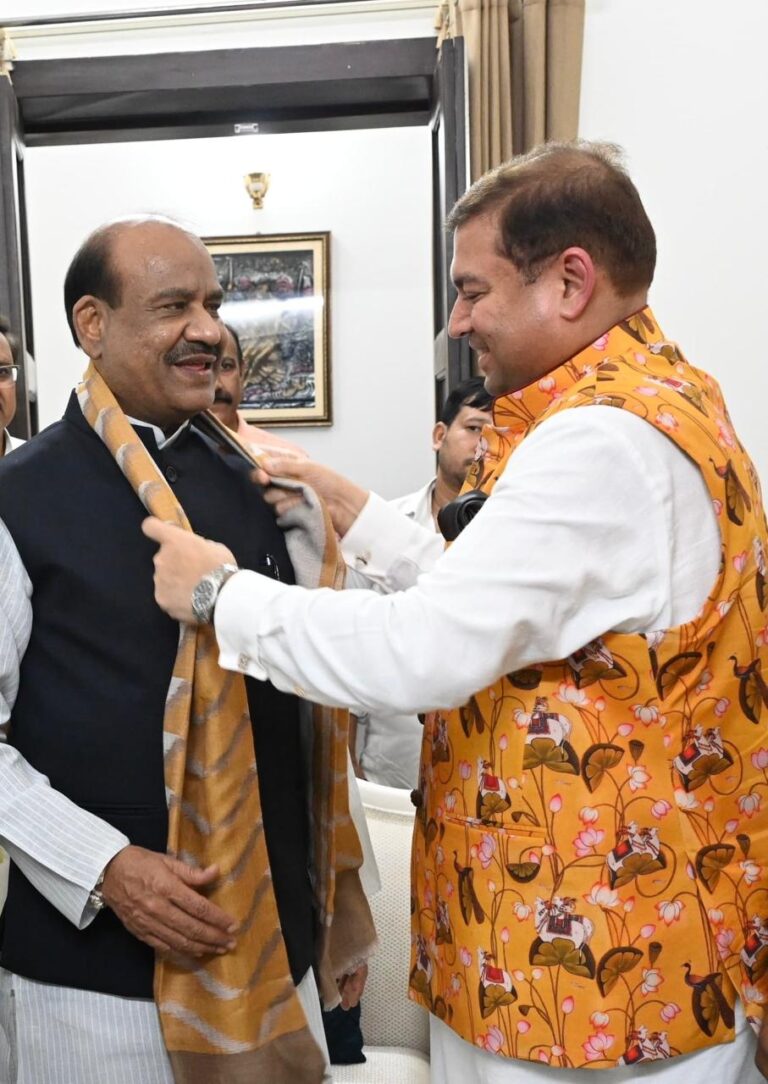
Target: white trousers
{"points": [[455, 1061], [56, 1035]]}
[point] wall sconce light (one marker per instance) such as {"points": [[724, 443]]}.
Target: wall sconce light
{"points": [[256, 185]]}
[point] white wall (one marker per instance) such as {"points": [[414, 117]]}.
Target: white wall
{"points": [[683, 87], [371, 189]]}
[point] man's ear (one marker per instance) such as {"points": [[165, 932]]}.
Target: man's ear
{"points": [[88, 318], [438, 436], [578, 277]]}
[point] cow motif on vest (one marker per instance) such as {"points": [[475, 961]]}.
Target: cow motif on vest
{"points": [[586, 888]]}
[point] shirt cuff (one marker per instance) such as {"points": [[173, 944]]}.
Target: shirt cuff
{"points": [[240, 619], [381, 536]]}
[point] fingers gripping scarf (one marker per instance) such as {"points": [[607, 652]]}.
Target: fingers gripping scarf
{"points": [[236, 1017]]}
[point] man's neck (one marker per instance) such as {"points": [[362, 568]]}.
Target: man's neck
{"points": [[442, 494]]}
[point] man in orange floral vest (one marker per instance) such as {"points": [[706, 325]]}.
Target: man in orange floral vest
{"points": [[590, 860]]}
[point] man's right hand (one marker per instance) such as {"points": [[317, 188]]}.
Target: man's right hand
{"points": [[158, 899], [345, 500]]}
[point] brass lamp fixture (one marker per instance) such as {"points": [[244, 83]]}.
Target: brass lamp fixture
{"points": [[256, 185]]}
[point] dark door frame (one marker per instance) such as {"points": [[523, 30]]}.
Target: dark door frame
{"points": [[225, 92]]}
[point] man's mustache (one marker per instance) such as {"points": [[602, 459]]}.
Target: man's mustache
{"points": [[183, 350], [222, 397]]}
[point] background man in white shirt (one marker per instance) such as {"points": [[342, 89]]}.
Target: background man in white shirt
{"points": [[387, 747]]}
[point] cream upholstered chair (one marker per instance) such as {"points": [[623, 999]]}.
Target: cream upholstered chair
{"points": [[396, 1030]]}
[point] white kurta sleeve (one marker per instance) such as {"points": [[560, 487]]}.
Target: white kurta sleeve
{"points": [[59, 847], [389, 548], [575, 541]]}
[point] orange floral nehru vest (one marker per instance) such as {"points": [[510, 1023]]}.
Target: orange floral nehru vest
{"points": [[590, 883]]}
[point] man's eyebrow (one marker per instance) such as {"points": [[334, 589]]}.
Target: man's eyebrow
{"points": [[180, 293], [460, 281]]}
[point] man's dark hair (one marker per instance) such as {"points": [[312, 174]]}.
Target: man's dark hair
{"points": [[238, 346], [564, 194], [91, 272], [11, 339], [469, 393]]}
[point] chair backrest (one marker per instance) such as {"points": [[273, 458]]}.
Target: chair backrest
{"points": [[388, 1017]]}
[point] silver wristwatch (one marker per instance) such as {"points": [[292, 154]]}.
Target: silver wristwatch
{"points": [[207, 591]]}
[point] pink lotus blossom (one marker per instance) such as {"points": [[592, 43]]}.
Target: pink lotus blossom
{"points": [[760, 759], [649, 392], [450, 802], [518, 976], [652, 980], [731, 826], [522, 718], [536, 973], [762, 636], [725, 435], [557, 1051], [543, 1057], [597, 1046], [645, 713], [638, 776], [667, 740], [723, 607], [547, 383], [568, 1005], [465, 956], [586, 841], [449, 889], [534, 856], [717, 504], [602, 896], [503, 742], [522, 911], [705, 680], [555, 803], [724, 940], [439, 855], [600, 704], [709, 805], [491, 887], [715, 915], [505, 934], [670, 911], [523, 1026], [492, 1041], [752, 872], [455, 983], [512, 782], [690, 871], [625, 729], [547, 850], [660, 809], [686, 800], [640, 358], [599, 1019], [648, 930], [669, 1012], [666, 420], [465, 769], [567, 693], [588, 815], [601, 343], [629, 904], [749, 804], [486, 850], [740, 561]]}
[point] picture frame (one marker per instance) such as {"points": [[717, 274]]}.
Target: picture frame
{"points": [[277, 298]]}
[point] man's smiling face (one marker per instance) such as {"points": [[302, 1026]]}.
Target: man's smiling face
{"points": [[158, 348]]}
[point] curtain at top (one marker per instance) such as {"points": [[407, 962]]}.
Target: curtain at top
{"points": [[524, 67]]}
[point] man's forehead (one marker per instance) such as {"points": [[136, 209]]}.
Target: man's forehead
{"points": [[158, 249]]}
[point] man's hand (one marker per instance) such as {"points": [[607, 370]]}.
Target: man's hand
{"points": [[158, 900], [180, 563], [344, 499], [351, 987]]}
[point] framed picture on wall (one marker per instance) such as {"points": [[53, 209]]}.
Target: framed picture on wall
{"points": [[276, 297]]}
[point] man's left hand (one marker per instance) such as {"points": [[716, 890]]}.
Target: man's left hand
{"points": [[351, 987], [180, 563]]}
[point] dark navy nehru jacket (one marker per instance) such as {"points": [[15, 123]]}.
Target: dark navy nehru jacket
{"points": [[94, 679]]}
